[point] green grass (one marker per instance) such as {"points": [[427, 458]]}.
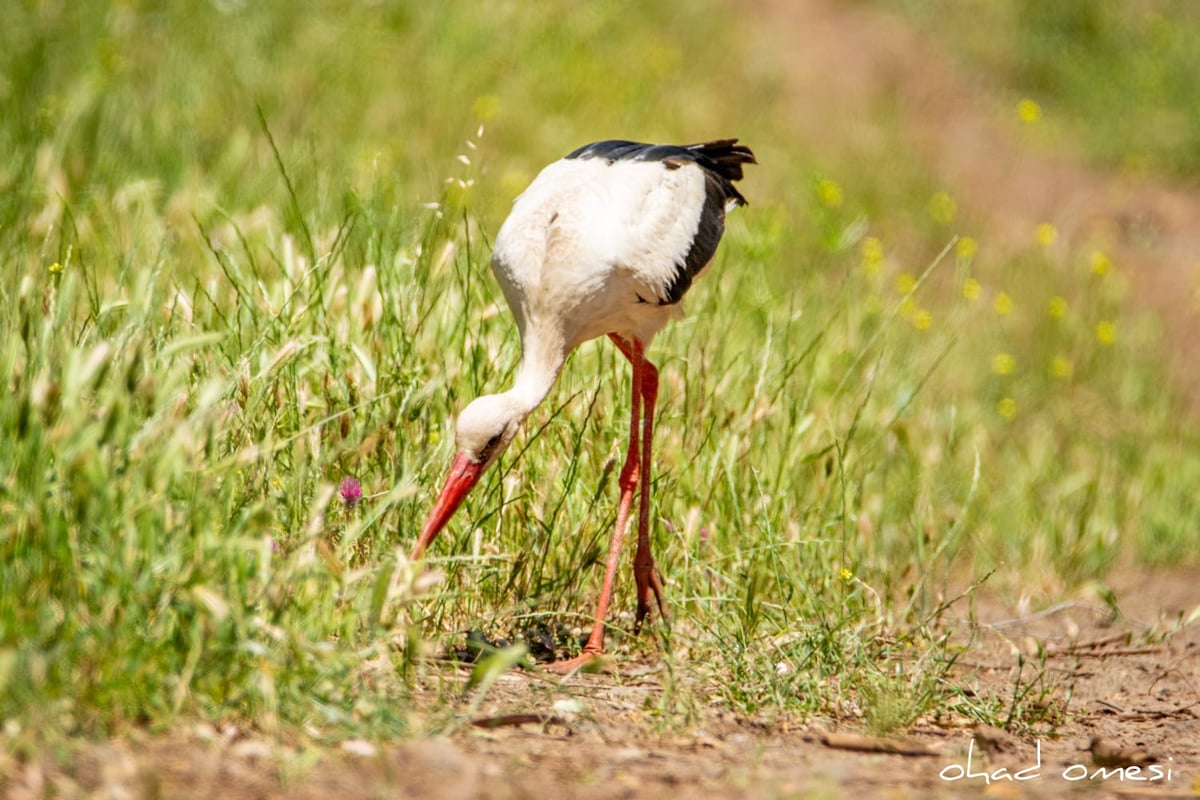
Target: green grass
{"points": [[1112, 78], [229, 288]]}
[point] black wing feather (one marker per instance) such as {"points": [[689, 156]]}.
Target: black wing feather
{"points": [[721, 157]]}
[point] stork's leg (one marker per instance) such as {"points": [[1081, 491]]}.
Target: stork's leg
{"points": [[628, 481], [644, 570]]}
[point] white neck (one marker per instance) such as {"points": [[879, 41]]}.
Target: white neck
{"points": [[542, 357]]}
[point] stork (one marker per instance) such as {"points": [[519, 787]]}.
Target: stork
{"points": [[605, 241]]}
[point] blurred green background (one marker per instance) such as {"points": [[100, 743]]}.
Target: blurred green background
{"points": [[1116, 74]]}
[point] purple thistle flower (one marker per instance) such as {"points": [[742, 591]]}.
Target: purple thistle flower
{"points": [[351, 491]]}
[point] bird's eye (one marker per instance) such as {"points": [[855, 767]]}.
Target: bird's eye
{"points": [[490, 446]]}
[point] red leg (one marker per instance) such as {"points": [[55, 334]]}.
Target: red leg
{"points": [[644, 571], [627, 481]]}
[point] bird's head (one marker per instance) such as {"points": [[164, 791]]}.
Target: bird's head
{"points": [[485, 429], [487, 426]]}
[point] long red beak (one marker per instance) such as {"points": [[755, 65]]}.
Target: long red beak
{"points": [[464, 474]]}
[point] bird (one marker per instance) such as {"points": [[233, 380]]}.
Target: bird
{"points": [[603, 242]]}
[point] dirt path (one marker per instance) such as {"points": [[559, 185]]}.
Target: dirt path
{"points": [[845, 61]]}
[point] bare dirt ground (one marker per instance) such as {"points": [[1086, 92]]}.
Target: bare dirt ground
{"points": [[1133, 680]]}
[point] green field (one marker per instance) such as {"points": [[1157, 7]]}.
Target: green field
{"points": [[1113, 79], [245, 256]]}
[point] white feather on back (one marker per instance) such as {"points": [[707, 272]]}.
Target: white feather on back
{"points": [[588, 238]]}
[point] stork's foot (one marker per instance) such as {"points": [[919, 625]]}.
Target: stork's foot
{"points": [[587, 661], [648, 582]]}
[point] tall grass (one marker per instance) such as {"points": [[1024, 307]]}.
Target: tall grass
{"points": [[244, 253]]}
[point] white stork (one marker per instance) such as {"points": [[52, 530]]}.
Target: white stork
{"points": [[604, 241]]}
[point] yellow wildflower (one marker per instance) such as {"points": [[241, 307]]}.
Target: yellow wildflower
{"points": [[1046, 234], [55, 268], [845, 574], [872, 254], [1057, 307], [905, 283], [1028, 111], [1003, 364], [829, 192], [1007, 407], [1100, 264], [1106, 332], [972, 289], [922, 320], [872, 249], [942, 208], [966, 248], [1002, 303], [486, 106], [1061, 367]]}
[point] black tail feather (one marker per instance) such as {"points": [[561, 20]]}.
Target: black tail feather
{"points": [[726, 155]]}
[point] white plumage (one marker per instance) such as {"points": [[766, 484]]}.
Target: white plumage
{"points": [[603, 242], [588, 238]]}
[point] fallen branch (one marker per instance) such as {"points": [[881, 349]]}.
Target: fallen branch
{"points": [[1115, 651], [875, 744], [1094, 644], [512, 720]]}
